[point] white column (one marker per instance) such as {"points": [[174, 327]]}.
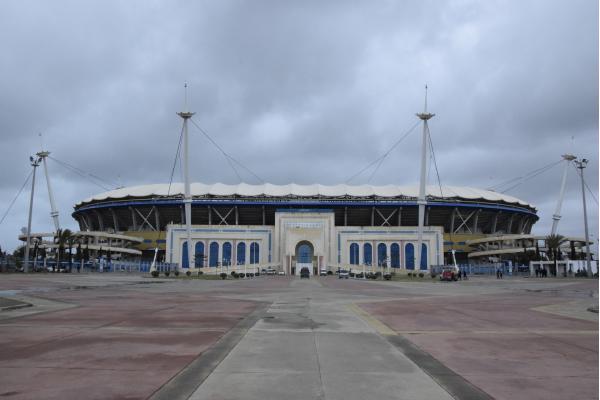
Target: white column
{"points": [[422, 200], [53, 211], [556, 217]]}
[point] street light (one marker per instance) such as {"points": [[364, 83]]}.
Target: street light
{"points": [[581, 164]]}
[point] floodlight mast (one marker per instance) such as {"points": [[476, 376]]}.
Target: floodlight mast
{"points": [[422, 199], [581, 164], [187, 200], [556, 216], [35, 162]]}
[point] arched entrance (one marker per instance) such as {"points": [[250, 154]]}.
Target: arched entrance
{"points": [[304, 256]]}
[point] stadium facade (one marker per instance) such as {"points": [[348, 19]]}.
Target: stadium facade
{"points": [[289, 226]]}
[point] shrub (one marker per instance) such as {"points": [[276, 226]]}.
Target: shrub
{"points": [[409, 274], [234, 274], [387, 277], [223, 275], [251, 275], [329, 272], [188, 273], [200, 273], [176, 272], [154, 273], [433, 275], [257, 274], [421, 274], [167, 273], [242, 275]]}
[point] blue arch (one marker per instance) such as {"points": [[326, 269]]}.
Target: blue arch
{"points": [[423, 256], [241, 253], [254, 253], [368, 254], [199, 255], [305, 253], [354, 254], [185, 260], [381, 254], [395, 255], [409, 256], [226, 253], [213, 256]]}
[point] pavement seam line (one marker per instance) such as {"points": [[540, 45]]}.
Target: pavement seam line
{"points": [[373, 322], [184, 384]]}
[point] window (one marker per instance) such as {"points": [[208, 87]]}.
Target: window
{"points": [[213, 259], [395, 255], [226, 253], [254, 253], [241, 253], [185, 260], [368, 254], [199, 253], [423, 256], [354, 254], [381, 254], [409, 256]]}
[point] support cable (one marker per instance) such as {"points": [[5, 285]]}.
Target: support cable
{"points": [[510, 181], [16, 197], [526, 178], [230, 159], [85, 174], [379, 160], [587, 187]]}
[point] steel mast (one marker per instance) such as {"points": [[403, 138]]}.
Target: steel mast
{"points": [[53, 211], [556, 217], [422, 199], [187, 200], [35, 162]]}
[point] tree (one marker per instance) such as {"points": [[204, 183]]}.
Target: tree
{"points": [[553, 243], [63, 236]]}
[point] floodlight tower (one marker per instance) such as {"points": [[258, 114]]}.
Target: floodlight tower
{"points": [[556, 216], [53, 211], [35, 162], [422, 199], [187, 200], [581, 164]]}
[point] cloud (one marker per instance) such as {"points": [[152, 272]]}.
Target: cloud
{"points": [[318, 89]]}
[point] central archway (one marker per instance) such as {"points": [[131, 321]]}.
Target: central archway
{"points": [[304, 256]]}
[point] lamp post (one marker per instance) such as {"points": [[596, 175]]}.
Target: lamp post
{"points": [[581, 164]]}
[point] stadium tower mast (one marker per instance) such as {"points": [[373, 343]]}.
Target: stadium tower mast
{"points": [[187, 200], [556, 217], [53, 211], [422, 200]]}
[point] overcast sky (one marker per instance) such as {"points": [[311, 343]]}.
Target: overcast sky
{"points": [[303, 91]]}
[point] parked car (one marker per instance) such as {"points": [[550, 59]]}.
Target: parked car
{"points": [[343, 274], [323, 272], [281, 273], [270, 271], [304, 273]]}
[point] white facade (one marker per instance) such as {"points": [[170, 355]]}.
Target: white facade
{"points": [[303, 237]]}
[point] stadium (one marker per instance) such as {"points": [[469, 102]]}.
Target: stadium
{"points": [[288, 226]]}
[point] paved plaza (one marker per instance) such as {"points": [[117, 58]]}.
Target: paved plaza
{"points": [[110, 336]]}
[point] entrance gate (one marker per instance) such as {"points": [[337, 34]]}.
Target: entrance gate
{"points": [[304, 256]]}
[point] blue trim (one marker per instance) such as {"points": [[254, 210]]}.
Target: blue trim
{"points": [[269, 246], [303, 210], [295, 202]]}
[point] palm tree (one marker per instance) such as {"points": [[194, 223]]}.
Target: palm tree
{"points": [[62, 237], [553, 243]]}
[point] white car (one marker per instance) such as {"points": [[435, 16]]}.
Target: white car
{"points": [[270, 271], [323, 272], [281, 273], [343, 274]]}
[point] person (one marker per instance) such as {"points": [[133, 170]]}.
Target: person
{"points": [[497, 273], [500, 273], [465, 274]]}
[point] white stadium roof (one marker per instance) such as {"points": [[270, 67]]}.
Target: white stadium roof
{"points": [[270, 190]]}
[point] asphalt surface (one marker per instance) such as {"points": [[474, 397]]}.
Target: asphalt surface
{"points": [[108, 336]]}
